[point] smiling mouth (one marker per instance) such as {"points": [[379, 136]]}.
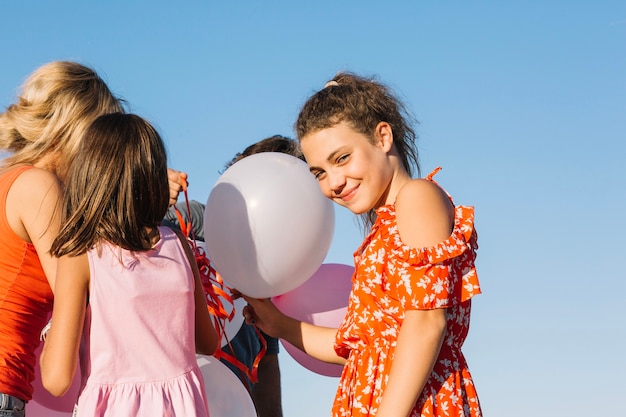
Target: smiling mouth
{"points": [[347, 196]]}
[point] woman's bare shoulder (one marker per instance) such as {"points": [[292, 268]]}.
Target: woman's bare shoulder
{"points": [[425, 214]]}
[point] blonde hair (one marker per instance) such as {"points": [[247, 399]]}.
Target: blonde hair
{"points": [[58, 101]]}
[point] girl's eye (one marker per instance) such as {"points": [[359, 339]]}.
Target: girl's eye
{"points": [[342, 158], [318, 175]]}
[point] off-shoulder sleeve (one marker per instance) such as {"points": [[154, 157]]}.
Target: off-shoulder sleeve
{"points": [[439, 276]]}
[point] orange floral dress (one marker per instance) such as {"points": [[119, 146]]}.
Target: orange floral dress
{"points": [[391, 278]]}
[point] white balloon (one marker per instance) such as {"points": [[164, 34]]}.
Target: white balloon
{"points": [[226, 395], [267, 226], [232, 327]]}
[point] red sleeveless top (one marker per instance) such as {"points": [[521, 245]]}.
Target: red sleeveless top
{"points": [[25, 302]]}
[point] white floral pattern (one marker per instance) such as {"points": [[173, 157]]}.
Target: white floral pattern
{"points": [[391, 278]]}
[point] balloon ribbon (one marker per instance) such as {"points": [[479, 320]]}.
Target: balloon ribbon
{"points": [[214, 288]]}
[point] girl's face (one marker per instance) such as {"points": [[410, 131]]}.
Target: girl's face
{"points": [[351, 170]]}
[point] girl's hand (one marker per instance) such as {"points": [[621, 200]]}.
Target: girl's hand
{"points": [[178, 182], [262, 313], [316, 341]]}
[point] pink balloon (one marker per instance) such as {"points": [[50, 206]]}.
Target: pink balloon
{"points": [[34, 409], [322, 300], [45, 404]]}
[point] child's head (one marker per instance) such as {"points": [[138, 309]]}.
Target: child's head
{"points": [[276, 143], [57, 103], [116, 188], [348, 112], [362, 103]]}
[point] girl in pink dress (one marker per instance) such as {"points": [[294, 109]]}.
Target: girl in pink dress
{"points": [[409, 308], [128, 285]]}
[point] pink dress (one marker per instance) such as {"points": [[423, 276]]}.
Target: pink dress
{"points": [[138, 348]]}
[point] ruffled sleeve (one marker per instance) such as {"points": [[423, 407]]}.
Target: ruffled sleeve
{"points": [[439, 276]]}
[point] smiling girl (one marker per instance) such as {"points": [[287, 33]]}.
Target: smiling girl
{"points": [[409, 309]]}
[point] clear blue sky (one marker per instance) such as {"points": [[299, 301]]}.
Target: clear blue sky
{"points": [[522, 103]]}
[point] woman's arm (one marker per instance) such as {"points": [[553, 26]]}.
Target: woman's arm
{"points": [[419, 342], [206, 335], [425, 217], [266, 393], [33, 210], [59, 357]]}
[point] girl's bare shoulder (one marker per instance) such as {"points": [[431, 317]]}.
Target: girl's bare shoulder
{"points": [[37, 179], [424, 213]]}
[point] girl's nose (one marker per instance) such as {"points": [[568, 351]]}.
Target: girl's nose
{"points": [[336, 182]]}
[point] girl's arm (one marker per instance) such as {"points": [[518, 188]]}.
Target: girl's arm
{"points": [[316, 341], [33, 211], [418, 346], [425, 217], [206, 336], [59, 356]]}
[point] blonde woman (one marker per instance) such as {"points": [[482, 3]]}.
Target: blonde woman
{"points": [[41, 131]]}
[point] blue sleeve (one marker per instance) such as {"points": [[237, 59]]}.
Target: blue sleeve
{"points": [[196, 211]]}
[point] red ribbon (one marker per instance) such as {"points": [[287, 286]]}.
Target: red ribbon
{"points": [[214, 288]]}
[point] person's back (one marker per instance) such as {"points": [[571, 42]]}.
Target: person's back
{"points": [[139, 331], [26, 301]]}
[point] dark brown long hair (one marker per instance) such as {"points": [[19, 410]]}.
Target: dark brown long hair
{"points": [[116, 188]]}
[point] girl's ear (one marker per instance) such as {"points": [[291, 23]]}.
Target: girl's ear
{"points": [[384, 136]]}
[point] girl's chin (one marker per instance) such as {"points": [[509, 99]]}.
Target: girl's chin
{"points": [[353, 208]]}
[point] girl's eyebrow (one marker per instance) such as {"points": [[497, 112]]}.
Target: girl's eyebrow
{"points": [[329, 158]]}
